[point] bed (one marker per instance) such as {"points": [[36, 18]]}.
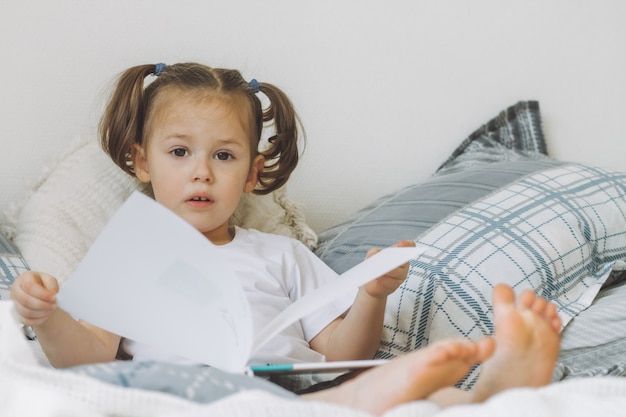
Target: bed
{"points": [[498, 209]]}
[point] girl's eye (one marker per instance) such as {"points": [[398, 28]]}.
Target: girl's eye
{"points": [[223, 156], [179, 152]]}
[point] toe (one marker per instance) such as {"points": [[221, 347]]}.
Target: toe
{"points": [[527, 299], [503, 294]]}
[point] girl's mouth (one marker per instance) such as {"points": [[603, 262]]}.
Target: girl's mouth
{"points": [[200, 199]]}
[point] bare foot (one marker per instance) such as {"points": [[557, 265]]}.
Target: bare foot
{"points": [[527, 343], [413, 376]]}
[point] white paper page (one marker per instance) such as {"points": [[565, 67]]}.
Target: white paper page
{"points": [[151, 277], [369, 269]]}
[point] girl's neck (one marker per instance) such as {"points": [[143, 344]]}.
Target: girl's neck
{"points": [[221, 236]]}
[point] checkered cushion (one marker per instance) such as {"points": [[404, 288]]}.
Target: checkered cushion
{"points": [[498, 211], [559, 231]]}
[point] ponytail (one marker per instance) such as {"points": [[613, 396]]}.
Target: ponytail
{"points": [[122, 123], [281, 155]]}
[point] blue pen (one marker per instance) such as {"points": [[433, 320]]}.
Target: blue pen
{"points": [[312, 367]]}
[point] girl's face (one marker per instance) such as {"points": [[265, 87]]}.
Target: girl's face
{"points": [[197, 156]]}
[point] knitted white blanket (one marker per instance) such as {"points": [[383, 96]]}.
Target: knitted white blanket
{"points": [[29, 389]]}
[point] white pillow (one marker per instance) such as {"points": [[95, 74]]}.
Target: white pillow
{"points": [[72, 201]]}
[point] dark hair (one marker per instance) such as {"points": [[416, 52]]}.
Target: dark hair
{"points": [[122, 124]]}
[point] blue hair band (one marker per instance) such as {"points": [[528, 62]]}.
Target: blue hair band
{"points": [[256, 87], [159, 69]]}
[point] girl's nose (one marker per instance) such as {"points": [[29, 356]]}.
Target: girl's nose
{"points": [[202, 172]]}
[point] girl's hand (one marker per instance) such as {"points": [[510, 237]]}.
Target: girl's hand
{"points": [[34, 296], [383, 286]]}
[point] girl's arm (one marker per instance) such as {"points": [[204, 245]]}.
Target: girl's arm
{"points": [[357, 335], [65, 341]]}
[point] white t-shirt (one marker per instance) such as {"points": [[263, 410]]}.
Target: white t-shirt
{"points": [[274, 271]]}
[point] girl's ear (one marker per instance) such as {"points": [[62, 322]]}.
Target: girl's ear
{"points": [[140, 164], [256, 168]]}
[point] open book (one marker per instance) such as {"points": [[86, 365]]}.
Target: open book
{"points": [[153, 278]]}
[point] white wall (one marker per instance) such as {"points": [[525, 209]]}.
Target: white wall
{"points": [[385, 89]]}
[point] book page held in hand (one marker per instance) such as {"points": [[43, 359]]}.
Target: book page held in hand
{"points": [[153, 278]]}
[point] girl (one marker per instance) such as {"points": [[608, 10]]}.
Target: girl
{"points": [[193, 134]]}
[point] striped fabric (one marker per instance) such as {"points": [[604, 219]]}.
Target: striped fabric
{"points": [[513, 134], [6, 246], [11, 265], [594, 342]]}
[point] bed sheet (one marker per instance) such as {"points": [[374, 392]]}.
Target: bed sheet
{"points": [[64, 393]]}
